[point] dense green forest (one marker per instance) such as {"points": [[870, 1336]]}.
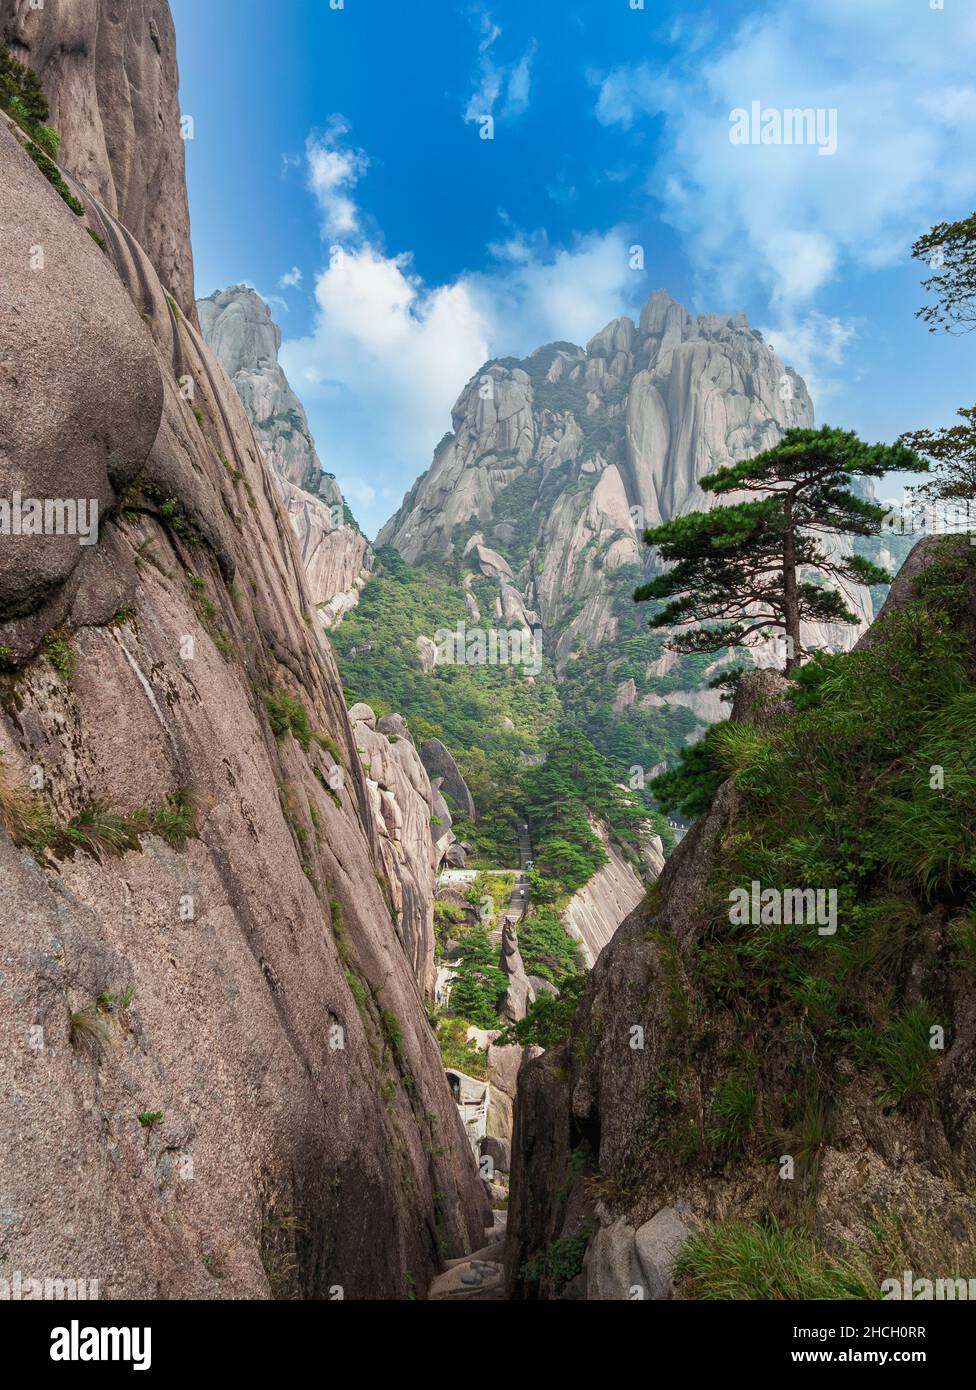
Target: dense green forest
{"points": [[497, 721]]}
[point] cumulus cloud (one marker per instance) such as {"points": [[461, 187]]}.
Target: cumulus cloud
{"points": [[782, 218], [389, 354], [334, 169], [291, 279]]}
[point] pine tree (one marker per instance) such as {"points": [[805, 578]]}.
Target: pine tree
{"points": [[950, 250], [744, 571]]}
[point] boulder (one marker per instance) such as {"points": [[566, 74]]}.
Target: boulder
{"points": [[394, 726], [427, 651], [657, 1245], [498, 1150], [440, 764], [610, 1263], [362, 714]]}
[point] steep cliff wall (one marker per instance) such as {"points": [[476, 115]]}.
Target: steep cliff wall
{"points": [[728, 1076], [403, 809], [595, 912], [564, 458], [217, 1060], [336, 556], [109, 72]]}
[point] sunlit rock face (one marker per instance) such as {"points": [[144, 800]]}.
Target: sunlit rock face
{"points": [[110, 76], [336, 556], [557, 463]]}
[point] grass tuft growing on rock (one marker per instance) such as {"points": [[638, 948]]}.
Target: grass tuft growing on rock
{"points": [[89, 1031], [25, 816], [745, 1261], [289, 716], [61, 654]]}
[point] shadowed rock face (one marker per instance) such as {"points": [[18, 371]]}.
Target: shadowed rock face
{"points": [[439, 762], [623, 1111], [255, 995], [109, 73]]}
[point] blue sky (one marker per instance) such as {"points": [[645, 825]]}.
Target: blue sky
{"points": [[338, 166]]}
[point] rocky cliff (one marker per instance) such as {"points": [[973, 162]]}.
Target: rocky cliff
{"points": [[414, 828], [217, 1059], [336, 556], [109, 73], [563, 459], [595, 912], [555, 466], [783, 1083]]}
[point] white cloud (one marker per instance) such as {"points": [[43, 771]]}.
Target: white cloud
{"points": [[816, 345], [291, 279], [782, 218], [629, 92], [389, 354], [495, 79], [333, 172]]}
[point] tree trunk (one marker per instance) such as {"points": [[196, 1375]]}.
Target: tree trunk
{"points": [[791, 597]]}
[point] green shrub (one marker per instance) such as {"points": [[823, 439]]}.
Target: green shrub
{"points": [[546, 946], [48, 139], [457, 1052], [479, 983], [288, 715], [54, 177], [61, 654], [549, 1018]]}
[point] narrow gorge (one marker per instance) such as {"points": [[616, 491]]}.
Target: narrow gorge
{"points": [[365, 904]]}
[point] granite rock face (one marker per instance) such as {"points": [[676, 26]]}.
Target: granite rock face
{"points": [[563, 459], [336, 556], [110, 75], [66, 437], [247, 984], [404, 807], [440, 763], [596, 910], [240, 332]]}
